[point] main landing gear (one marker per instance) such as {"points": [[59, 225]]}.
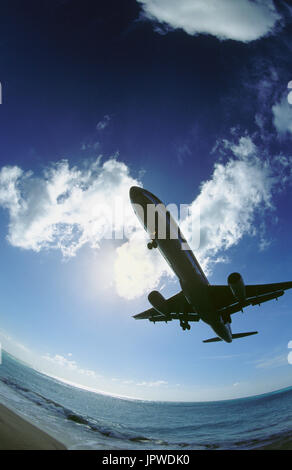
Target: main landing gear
{"points": [[152, 244], [185, 325]]}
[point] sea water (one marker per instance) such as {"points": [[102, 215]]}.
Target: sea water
{"points": [[83, 419]]}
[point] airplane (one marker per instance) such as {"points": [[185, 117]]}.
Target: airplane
{"points": [[197, 300]]}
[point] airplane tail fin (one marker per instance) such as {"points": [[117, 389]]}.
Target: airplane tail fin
{"points": [[234, 336]]}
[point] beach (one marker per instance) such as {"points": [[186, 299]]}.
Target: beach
{"points": [[285, 444], [83, 419], [18, 434]]}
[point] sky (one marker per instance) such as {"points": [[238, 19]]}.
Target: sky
{"points": [[191, 100]]}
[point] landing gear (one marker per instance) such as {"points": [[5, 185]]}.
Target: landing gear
{"points": [[185, 325], [152, 244]]}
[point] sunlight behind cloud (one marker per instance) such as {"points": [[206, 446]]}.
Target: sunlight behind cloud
{"points": [[137, 269]]}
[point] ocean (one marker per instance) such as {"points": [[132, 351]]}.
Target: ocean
{"points": [[87, 420]]}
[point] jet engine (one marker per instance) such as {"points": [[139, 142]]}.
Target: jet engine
{"points": [[158, 302], [237, 286]]}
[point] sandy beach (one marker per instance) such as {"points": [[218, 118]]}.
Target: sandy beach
{"points": [[18, 434], [281, 445]]}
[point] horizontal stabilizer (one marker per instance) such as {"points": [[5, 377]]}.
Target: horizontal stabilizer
{"points": [[212, 340], [234, 336], [241, 335]]}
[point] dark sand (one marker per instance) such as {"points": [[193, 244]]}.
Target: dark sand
{"points": [[281, 445], [18, 434]]}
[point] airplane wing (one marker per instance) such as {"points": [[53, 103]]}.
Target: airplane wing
{"points": [[177, 307], [225, 302]]}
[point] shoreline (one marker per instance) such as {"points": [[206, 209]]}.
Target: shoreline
{"points": [[18, 434]]}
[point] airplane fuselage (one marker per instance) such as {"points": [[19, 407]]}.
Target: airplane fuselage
{"points": [[181, 259]]}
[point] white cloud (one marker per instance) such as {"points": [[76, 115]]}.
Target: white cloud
{"points": [[282, 116], [229, 201], [9, 192], [101, 125], [68, 207], [277, 361], [240, 20], [283, 163], [61, 363], [157, 383], [94, 146]]}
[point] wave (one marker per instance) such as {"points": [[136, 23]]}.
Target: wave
{"points": [[115, 431], [79, 419]]}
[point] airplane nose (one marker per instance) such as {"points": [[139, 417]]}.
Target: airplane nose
{"points": [[135, 191]]}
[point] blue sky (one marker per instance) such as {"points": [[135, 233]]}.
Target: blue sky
{"points": [[188, 99]]}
